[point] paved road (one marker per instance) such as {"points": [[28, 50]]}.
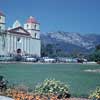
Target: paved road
{"points": [[5, 98]]}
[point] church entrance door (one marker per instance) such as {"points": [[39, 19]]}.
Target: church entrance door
{"points": [[18, 56], [19, 51]]}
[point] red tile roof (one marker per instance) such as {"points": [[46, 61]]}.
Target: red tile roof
{"points": [[1, 14], [32, 20]]}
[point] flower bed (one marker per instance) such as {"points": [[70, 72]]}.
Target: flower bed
{"points": [[95, 95], [21, 95], [47, 90]]}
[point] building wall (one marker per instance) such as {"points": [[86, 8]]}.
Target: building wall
{"points": [[2, 22], [27, 45], [35, 46], [33, 29], [1, 45], [2, 26]]}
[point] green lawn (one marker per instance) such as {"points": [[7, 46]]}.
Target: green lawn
{"points": [[30, 74]]}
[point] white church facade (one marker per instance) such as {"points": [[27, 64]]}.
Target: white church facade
{"points": [[20, 40]]}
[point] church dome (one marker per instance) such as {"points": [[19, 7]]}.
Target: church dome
{"points": [[31, 20], [1, 14]]}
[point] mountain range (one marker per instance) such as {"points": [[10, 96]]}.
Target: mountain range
{"points": [[71, 41]]}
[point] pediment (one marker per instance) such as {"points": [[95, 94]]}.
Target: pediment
{"points": [[19, 30]]}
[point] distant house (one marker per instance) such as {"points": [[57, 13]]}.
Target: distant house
{"points": [[20, 40]]}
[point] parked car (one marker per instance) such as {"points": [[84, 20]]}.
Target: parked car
{"points": [[48, 60], [31, 59]]}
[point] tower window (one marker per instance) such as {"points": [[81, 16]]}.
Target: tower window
{"points": [[0, 28], [35, 35], [27, 26], [35, 26]]}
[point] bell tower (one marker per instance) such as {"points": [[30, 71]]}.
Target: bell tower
{"points": [[2, 34], [32, 26], [2, 22]]}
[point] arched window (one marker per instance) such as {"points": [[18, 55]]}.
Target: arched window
{"points": [[35, 26], [0, 28], [27, 25], [35, 35], [18, 39]]}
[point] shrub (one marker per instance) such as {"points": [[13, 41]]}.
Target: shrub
{"points": [[48, 87], [95, 95]]}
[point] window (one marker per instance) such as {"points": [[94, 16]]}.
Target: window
{"points": [[35, 26], [18, 39], [0, 28], [35, 35], [27, 25]]}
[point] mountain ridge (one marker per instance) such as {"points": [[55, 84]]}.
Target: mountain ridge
{"points": [[70, 41]]}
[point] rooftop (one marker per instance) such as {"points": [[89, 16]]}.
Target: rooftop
{"points": [[1, 14], [32, 20]]}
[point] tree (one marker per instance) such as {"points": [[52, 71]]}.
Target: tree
{"points": [[51, 50], [47, 50], [98, 47], [96, 54]]}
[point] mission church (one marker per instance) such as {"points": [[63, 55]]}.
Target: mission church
{"points": [[20, 40]]}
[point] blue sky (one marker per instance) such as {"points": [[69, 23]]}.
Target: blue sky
{"points": [[55, 15]]}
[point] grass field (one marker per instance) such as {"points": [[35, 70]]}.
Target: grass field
{"points": [[80, 82]]}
